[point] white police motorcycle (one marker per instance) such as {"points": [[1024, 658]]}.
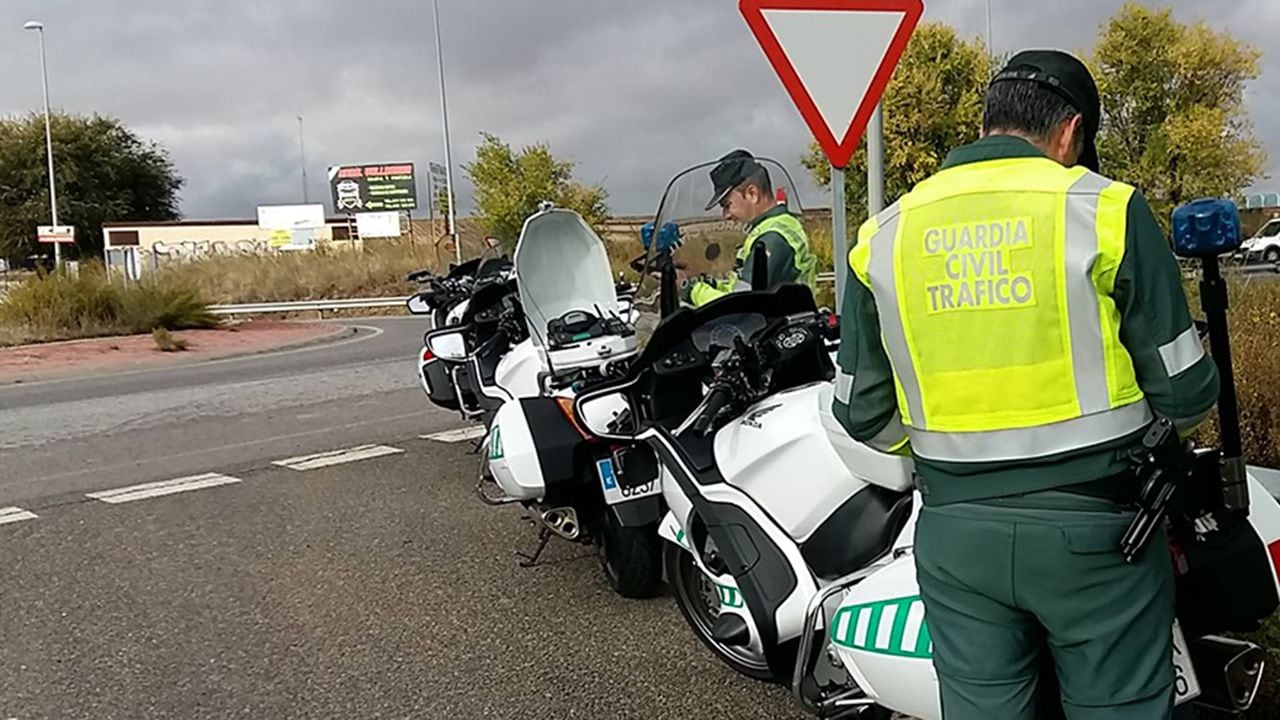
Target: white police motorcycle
{"points": [[578, 329], [790, 543]]}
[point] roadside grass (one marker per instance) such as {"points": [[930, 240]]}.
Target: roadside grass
{"points": [[62, 306]]}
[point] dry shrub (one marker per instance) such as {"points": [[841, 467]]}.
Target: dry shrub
{"points": [[62, 306], [1254, 318]]}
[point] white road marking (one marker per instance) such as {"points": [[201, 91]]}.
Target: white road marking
{"points": [[471, 432], [337, 457], [164, 487], [15, 514]]}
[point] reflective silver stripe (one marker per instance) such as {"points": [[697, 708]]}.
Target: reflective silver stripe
{"points": [[844, 386], [1185, 351], [1081, 252], [741, 285], [1033, 442], [891, 436], [884, 286]]}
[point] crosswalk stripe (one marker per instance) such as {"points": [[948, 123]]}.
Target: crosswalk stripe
{"points": [[15, 514], [471, 432], [164, 487], [337, 457]]}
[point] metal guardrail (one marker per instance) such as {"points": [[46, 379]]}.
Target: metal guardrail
{"points": [[347, 304], [308, 306]]}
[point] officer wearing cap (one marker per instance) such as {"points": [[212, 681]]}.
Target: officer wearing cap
{"points": [[1016, 322], [744, 192]]}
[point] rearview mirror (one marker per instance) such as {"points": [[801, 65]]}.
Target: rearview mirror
{"points": [[713, 251], [606, 415], [448, 345], [417, 305]]}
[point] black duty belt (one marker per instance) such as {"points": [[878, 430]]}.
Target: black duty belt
{"points": [[1121, 488]]}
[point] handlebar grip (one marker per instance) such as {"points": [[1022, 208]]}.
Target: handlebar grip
{"points": [[716, 400]]}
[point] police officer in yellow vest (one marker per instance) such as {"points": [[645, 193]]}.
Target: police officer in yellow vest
{"points": [[744, 193], [1019, 320]]}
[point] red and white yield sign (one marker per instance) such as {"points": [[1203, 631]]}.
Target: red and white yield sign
{"points": [[835, 58]]}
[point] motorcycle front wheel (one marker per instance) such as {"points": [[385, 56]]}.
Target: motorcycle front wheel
{"points": [[699, 602]]}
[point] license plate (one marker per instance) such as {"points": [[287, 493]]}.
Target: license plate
{"points": [[614, 492], [1185, 684]]}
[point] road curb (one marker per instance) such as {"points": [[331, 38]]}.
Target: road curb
{"points": [[84, 370]]}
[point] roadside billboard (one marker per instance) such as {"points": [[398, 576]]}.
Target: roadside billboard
{"points": [[373, 188]]}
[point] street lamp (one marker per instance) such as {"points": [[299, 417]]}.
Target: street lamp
{"points": [[448, 153], [48, 138]]}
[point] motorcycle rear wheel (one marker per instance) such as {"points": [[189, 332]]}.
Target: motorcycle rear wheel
{"points": [[630, 557], [694, 594]]}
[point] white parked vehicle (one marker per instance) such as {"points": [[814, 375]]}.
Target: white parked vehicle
{"points": [[1264, 245]]}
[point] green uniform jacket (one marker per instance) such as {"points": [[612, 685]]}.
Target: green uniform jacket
{"points": [[784, 266], [1153, 312]]}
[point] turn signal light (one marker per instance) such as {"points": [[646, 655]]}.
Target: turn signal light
{"points": [[566, 407]]}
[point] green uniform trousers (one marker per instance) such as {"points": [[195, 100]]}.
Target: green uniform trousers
{"points": [[1006, 581]]}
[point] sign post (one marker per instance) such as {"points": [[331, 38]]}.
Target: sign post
{"points": [[835, 58]]}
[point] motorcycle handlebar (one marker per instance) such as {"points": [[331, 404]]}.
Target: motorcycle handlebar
{"points": [[719, 396]]}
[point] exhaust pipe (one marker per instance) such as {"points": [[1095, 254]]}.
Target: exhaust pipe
{"points": [[1229, 671], [562, 521]]}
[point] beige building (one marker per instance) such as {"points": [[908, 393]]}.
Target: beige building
{"points": [[140, 246]]}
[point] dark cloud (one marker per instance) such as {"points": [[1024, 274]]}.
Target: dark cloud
{"points": [[632, 92]]}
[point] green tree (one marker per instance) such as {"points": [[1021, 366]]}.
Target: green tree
{"points": [[1174, 122], [932, 104], [104, 172], [509, 185]]}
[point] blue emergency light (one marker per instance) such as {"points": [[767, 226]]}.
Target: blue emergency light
{"points": [[669, 237], [1206, 228]]}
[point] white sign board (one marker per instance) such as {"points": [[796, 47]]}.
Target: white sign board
{"points": [[378, 224], [64, 234], [290, 217]]}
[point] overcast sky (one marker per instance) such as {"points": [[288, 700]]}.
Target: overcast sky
{"points": [[631, 91]]}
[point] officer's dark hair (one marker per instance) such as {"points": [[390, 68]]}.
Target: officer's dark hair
{"points": [[760, 178], [1026, 108]]}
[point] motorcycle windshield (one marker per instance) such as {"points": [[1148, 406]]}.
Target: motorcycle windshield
{"points": [[700, 220], [561, 267]]}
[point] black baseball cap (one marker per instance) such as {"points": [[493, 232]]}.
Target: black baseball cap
{"points": [[1065, 75], [730, 172]]}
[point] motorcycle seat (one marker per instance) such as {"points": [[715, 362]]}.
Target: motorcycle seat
{"points": [[862, 529]]}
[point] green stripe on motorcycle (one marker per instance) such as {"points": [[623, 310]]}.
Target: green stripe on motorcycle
{"points": [[729, 597], [899, 628]]}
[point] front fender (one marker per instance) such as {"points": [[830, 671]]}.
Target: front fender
{"points": [[638, 513]]}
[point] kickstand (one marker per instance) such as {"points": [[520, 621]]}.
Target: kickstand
{"points": [[475, 449], [544, 537]]}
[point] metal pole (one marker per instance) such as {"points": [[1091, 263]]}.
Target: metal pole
{"points": [[302, 151], [48, 141], [448, 153], [990, 48], [875, 162], [839, 245]]}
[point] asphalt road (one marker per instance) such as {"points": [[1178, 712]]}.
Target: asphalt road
{"points": [[370, 588]]}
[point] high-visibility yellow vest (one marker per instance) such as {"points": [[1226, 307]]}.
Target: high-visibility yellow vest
{"points": [[791, 230], [993, 284]]}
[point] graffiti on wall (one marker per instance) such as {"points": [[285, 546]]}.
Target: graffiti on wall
{"points": [[175, 250]]}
